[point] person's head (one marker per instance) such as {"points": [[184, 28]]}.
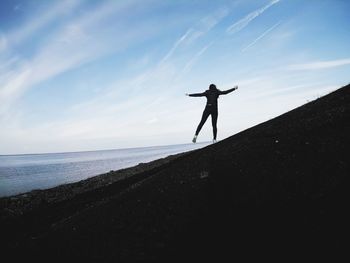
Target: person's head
{"points": [[212, 87]]}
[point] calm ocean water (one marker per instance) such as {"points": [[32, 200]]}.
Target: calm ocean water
{"points": [[23, 173]]}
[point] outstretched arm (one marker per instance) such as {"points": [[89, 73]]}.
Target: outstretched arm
{"points": [[196, 94], [228, 91]]}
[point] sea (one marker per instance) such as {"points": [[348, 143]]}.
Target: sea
{"points": [[25, 172]]}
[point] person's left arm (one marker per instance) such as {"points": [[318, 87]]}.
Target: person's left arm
{"points": [[224, 92]]}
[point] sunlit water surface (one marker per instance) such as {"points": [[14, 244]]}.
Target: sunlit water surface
{"points": [[23, 173]]}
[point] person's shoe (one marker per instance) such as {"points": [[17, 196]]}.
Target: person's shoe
{"points": [[214, 141], [194, 139]]}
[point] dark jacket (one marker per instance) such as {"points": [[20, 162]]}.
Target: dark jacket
{"points": [[212, 95]]}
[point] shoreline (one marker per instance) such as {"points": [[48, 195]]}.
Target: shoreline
{"points": [[102, 150], [21, 175], [23, 203]]}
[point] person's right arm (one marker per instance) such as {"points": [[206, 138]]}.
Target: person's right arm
{"points": [[196, 94]]}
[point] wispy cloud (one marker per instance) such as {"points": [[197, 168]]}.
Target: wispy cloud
{"points": [[3, 43], [42, 20], [242, 23], [261, 36], [194, 59], [12, 88], [320, 64], [176, 45], [198, 30], [73, 44]]}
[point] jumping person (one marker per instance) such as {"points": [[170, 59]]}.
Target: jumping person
{"points": [[211, 108]]}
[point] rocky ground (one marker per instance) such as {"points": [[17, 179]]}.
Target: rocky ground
{"points": [[278, 190], [102, 185]]}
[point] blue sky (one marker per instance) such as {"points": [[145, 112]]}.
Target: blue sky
{"points": [[85, 75]]}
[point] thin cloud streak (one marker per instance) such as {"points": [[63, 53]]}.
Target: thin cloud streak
{"points": [[3, 43], [200, 29], [42, 20], [12, 88], [189, 65], [261, 36], [320, 65], [175, 46], [241, 24], [64, 51]]}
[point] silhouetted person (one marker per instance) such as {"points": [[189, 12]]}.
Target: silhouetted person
{"points": [[211, 108]]}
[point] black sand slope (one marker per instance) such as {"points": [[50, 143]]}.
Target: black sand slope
{"points": [[279, 190]]}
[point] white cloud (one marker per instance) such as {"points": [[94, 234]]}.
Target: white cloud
{"points": [[194, 59], [3, 43], [261, 36], [153, 120], [242, 23], [176, 45], [75, 43], [41, 20], [320, 65], [197, 31], [12, 88], [6, 64], [208, 23]]}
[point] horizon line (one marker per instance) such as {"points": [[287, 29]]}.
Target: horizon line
{"points": [[98, 150]]}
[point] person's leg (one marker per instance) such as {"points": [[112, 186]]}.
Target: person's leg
{"points": [[214, 120], [205, 116]]}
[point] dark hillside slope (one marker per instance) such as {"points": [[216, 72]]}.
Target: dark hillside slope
{"points": [[281, 186]]}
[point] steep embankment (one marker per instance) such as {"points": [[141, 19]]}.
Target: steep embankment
{"points": [[281, 186]]}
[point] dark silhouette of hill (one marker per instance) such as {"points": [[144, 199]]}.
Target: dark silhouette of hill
{"points": [[277, 190]]}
